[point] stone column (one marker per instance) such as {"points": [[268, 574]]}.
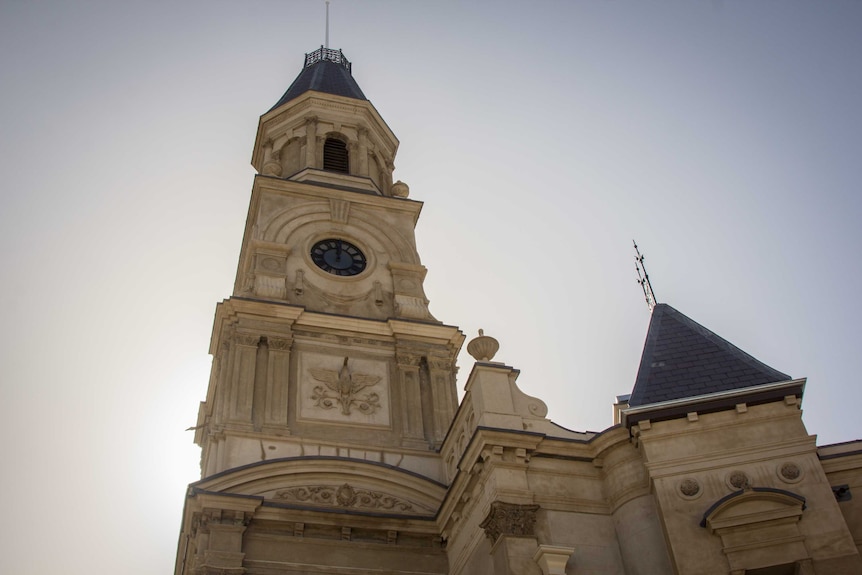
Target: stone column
{"points": [[511, 528]]}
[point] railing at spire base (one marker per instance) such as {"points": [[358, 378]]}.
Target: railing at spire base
{"points": [[329, 54]]}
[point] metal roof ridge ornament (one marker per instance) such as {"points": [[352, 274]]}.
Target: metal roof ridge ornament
{"points": [[324, 53], [643, 278]]}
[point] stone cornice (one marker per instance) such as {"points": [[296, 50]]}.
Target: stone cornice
{"points": [[281, 186], [723, 400], [782, 449]]}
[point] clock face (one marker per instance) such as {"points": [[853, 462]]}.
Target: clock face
{"points": [[338, 257]]}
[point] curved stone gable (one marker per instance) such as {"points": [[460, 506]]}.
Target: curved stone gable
{"points": [[331, 483]]}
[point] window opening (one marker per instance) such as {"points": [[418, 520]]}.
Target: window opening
{"points": [[335, 156]]}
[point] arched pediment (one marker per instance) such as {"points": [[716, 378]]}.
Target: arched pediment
{"points": [[331, 483], [367, 227], [753, 506]]}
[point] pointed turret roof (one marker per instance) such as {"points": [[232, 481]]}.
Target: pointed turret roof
{"points": [[682, 359], [325, 71]]}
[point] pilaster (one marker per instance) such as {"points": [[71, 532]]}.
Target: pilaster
{"points": [[511, 527], [311, 142], [277, 388], [411, 394]]}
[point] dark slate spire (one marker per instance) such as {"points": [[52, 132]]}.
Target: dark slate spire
{"points": [[326, 71], [681, 358]]}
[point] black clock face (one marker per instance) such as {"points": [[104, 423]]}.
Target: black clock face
{"points": [[338, 257]]}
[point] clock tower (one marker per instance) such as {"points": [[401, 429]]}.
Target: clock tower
{"points": [[327, 347], [332, 384]]}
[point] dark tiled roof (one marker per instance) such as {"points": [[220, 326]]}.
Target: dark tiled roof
{"points": [[681, 358], [323, 76]]}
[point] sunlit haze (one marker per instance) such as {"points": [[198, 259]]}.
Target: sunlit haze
{"points": [[542, 137]]}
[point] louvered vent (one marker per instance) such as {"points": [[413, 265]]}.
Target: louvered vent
{"points": [[335, 156]]}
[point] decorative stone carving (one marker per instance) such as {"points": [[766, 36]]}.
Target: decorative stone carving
{"points": [[689, 488], [339, 210], [738, 480], [509, 519], [411, 307], [439, 363], [483, 348], [346, 386], [247, 339], [789, 472], [279, 343], [346, 496], [272, 166], [269, 286], [408, 359], [400, 189], [270, 264]]}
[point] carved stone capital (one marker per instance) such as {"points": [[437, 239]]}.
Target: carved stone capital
{"points": [[510, 519], [247, 339], [280, 343], [440, 363], [407, 359]]}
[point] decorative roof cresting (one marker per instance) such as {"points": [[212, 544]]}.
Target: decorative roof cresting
{"points": [[321, 54]]}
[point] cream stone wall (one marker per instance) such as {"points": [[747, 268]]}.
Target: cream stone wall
{"points": [[758, 452]]}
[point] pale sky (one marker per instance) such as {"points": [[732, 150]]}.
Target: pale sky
{"points": [[724, 136]]}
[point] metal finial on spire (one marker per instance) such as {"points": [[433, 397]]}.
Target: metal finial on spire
{"points": [[643, 278], [327, 24]]}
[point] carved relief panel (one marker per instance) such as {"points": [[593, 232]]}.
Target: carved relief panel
{"points": [[347, 390]]}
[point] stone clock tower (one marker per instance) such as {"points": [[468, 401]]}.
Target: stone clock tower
{"points": [[327, 347], [331, 379]]}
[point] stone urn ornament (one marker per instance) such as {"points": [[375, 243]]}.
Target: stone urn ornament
{"points": [[484, 347]]}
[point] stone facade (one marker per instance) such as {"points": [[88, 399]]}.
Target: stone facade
{"points": [[332, 440]]}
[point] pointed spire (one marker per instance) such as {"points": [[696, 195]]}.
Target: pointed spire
{"points": [[681, 359]]}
